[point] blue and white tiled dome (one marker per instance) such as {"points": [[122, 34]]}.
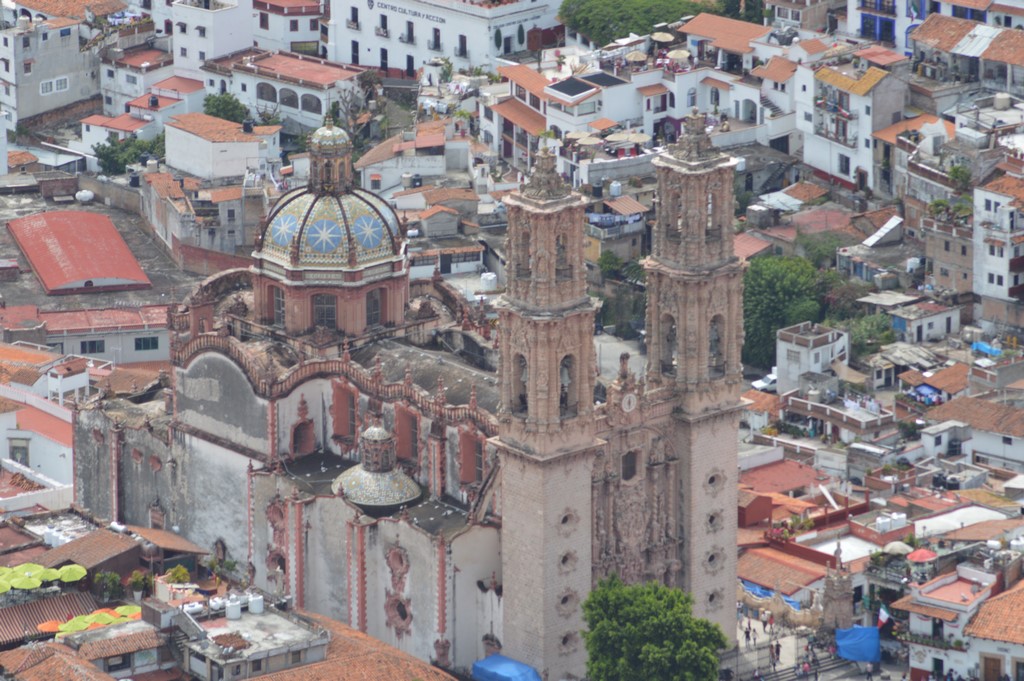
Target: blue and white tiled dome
{"points": [[349, 229]]}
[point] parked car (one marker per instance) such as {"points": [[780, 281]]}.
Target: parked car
{"points": [[768, 384]]}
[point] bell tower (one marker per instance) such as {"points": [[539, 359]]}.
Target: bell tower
{"points": [[546, 437], [694, 337]]}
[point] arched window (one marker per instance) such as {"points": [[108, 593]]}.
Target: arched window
{"points": [[691, 97], [523, 266], [563, 271], [325, 311], [327, 172], [277, 300], [288, 98], [715, 96], [266, 92], [312, 104], [520, 383], [568, 400], [629, 466], [710, 210], [373, 307], [716, 351], [668, 345]]}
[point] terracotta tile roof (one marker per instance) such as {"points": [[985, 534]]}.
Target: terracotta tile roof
{"points": [[52, 428], [414, 190], [143, 102], [1007, 185], [746, 496], [180, 84], [602, 124], [127, 381], [355, 656], [90, 550], [781, 233], [972, 4], [443, 194], [213, 129], [307, 69], [813, 46], [878, 218], [746, 245], [855, 86], [782, 476], [1007, 47], [805, 191], [778, 69], [15, 620], [136, 58], [133, 642], [999, 619], [626, 205], [762, 402], [880, 56], [174, 674], [907, 603], [167, 540], [521, 115], [942, 32], [727, 34], [715, 83], [63, 665], [652, 90], [221, 194], [73, 8], [985, 530], [890, 133], [25, 657], [1007, 9], [148, 316], [750, 537], [123, 123], [382, 152], [20, 354], [526, 76], [21, 158], [165, 185], [773, 569], [24, 375], [68, 248], [948, 379], [981, 414], [434, 210]]}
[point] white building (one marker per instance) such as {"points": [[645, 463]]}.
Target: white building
{"points": [[427, 153], [126, 75], [998, 265], [807, 347], [214, 149], [288, 26], [43, 69], [996, 421], [208, 29], [401, 37], [925, 321]]}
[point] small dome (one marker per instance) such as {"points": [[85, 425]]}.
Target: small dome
{"points": [[376, 490], [376, 433], [328, 137]]}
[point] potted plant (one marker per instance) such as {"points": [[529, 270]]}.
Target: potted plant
{"points": [[178, 575], [137, 583], [108, 584]]}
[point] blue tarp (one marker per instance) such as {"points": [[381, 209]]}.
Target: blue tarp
{"points": [[925, 390], [501, 668], [761, 592], [860, 644], [985, 348]]}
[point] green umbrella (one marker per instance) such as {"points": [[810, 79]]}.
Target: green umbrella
{"points": [[27, 569], [25, 583], [77, 624], [100, 618], [125, 610], [72, 573], [47, 575], [4, 587]]}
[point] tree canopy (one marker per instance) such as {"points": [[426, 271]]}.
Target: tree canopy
{"points": [[777, 292], [225, 106], [648, 631], [605, 20], [115, 154]]}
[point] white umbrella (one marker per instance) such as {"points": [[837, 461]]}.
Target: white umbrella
{"points": [[618, 137], [636, 55], [590, 141], [662, 37], [678, 54], [638, 138], [897, 548], [576, 134]]}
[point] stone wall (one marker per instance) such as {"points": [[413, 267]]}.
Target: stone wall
{"points": [[113, 194]]}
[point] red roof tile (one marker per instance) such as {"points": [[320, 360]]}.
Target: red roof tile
{"points": [[765, 403], [179, 84], [778, 69], [981, 414], [626, 205], [728, 34], [123, 123], [715, 83], [999, 619], [890, 133], [144, 102], [942, 32], [21, 158], [948, 379], [73, 8], [880, 56], [52, 428], [133, 642], [310, 70], [652, 90], [71, 250], [813, 46], [434, 210], [222, 194], [15, 620], [774, 569], [746, 245], [90, 550], [521, 115], [527, 76], [782, 476], [147, 56], [213, 129], [602, 124], [805, 191], [70, 321]]}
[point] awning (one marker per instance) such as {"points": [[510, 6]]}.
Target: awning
{"points": [[713, 82], [501, 668], [521, 115], [652, 90], [375, 176], [925, 390], [603, 124]]}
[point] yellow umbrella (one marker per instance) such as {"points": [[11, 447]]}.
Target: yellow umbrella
{"points": [[126, 610], [662, 37], [47, 575], [72, 573], [76, 624], [100, 618], [636, 55], [25, 583], [27, 569]]}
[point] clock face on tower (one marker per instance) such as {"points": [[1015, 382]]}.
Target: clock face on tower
{"points": [[368, 230], [628, 402]]}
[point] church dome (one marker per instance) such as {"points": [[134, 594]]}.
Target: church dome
{"points": [[331, 223], [377, 483]]}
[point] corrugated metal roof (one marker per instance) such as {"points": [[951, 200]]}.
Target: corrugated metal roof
{"points": [[17, 619], [977, 40]]}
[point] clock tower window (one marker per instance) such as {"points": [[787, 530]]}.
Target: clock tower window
{"points": [[716, 360]]}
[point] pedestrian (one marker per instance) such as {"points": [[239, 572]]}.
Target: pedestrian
{"points": [[771, 623], [778, 650], [746, 637], [869, 677], [764, 620], [815, 675], [739, 612], [754, 636]]}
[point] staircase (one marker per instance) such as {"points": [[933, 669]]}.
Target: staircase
{"points": [[771, 106], [771, 183], [790, 672]]}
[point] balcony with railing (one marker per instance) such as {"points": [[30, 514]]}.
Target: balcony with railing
{"points": [[434, 45], [407, 38], [382, 32], [878, 6], [351, 24], [462, 52], [832, 107], [830, 133]]}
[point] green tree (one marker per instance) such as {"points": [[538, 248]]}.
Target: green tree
{"points": [[115, 154], [869, 333], [605, 20], [777, 292], [820, 248], [609, 263], [648, 631], [225, 106], [960, 176]]}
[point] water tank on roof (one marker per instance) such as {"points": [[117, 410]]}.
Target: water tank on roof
{"points": [[133, 180], [899, 520], [994, 544], [152, 165], [615, 189], [598, 191], [488, 281], [407, 180], [1017, 545], [247, 125], [256, 604], [417, 180], [883, 523], [233, 611], [1001, 101], [154, 102]]}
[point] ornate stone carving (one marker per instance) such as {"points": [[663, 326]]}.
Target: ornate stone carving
{"points": [[398, 613], [442, 650], [397, 560], [545, 184]]}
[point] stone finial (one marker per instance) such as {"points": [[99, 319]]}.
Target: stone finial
{"points": [[694, 144], [346, 356], [545, 183], [624, 366], [408, 376], [472, 396]]}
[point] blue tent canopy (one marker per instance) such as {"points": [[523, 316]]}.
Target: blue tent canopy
{"points": [[860, 644], [762, 592], [501, 668]]}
